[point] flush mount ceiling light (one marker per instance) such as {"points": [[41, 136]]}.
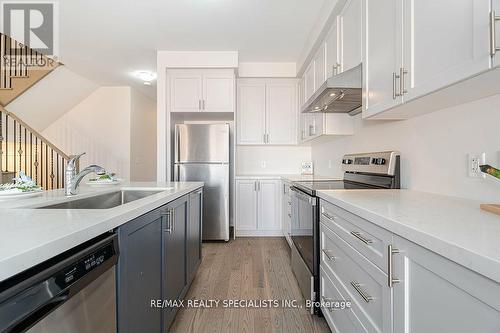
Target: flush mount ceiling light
{"points": [[146, 76]]}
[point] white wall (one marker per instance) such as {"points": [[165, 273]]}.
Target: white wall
{"points": [[278, 159], [100, 126], [267, 69], [51, 97], [434, 148], [142, 137]]}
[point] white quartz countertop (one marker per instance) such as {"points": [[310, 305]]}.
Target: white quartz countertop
{"points": [[30, 236], [287, 177], [452, 227]]}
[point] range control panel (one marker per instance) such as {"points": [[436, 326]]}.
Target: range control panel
{"points": [[383, 163]]}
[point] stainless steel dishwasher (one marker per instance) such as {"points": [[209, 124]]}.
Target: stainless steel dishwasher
{"points": [[72, 292]]}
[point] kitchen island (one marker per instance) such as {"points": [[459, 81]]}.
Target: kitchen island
{"points": [[29, 236]]}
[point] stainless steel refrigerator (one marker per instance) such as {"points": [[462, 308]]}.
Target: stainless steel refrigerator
{"points": [[202, 154]]}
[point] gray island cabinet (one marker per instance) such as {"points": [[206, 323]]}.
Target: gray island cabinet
{"points": [[159, 254]]}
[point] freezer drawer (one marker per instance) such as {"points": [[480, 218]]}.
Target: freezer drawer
{"points": [[215, 196]]}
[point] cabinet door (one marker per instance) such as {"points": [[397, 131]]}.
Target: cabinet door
{"points": [[281, 113], [185, 91], [320, 66], [350, 20], [193, 239], [317, 124], [444, 42], [251, 114], [139, 280], [309, 81], [332, 51], [174, 279], [438, 295], [246, 204], [382, 55], [301, 93], [218, 92], [269, 203]]}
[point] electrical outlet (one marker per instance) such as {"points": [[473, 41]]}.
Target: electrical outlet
{"points": [[474, 160], [263, 164]]}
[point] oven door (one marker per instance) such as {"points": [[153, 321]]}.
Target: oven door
{"points": [[305, 237]]}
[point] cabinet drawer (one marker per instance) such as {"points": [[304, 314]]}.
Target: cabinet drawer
{"points": [[364, 283], [369, 239], [339, 320]]}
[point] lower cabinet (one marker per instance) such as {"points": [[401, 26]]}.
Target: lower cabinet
{"points": [[174, 281], [159, 254], [287, 212], [437, 295], [258, 207], [426, 293]]}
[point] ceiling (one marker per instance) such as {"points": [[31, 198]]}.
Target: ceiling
{"points": [[107, 40]]}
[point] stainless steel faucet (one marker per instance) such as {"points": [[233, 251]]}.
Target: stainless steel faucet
{"points": [[73, 179]]}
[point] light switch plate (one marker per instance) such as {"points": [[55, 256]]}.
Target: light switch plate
{"points": [[307, 168]]}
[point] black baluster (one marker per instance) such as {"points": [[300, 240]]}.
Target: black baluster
{"points": [[6, 142], [31, 155], [15, 147], [36, 159]]}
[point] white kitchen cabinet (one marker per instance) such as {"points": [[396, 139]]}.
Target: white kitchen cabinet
{"points": [[251, 113], [438, 53], [218, 91], [287, 212], [281, 113], [185, 91], [320, 66], [382, 57], [314, 125], [301, 92], [258, 207], [267, 112], [350, 32], [309, 81], [201, 90], [437, 295], [332, 50]]}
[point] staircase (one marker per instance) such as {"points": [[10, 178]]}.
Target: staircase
{"points": [[21, 147]]}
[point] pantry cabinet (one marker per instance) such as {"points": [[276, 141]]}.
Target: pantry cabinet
{"points": [[201, 90], [258, 207], [267, 112], [436, 295], [350, 32]]}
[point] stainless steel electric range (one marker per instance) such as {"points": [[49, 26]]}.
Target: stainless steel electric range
{"points": [[377, 171]]}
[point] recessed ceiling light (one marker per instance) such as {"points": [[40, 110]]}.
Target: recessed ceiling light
{"points": [[146, 76], [332, 94]]}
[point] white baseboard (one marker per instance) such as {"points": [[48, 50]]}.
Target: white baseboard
{"points": [[259, 233]]}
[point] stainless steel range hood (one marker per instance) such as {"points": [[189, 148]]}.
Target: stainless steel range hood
{"points": [[339, 94]]}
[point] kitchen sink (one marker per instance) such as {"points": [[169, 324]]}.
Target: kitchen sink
{"points": [[103, 201]]}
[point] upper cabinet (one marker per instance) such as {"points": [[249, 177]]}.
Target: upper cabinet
{"points": [[201, 90], [350, 31], [495, 47], [382, 55], [267, 112], [411, 55], [309, 81], [320, 66], [436, 54], [332, 51]]}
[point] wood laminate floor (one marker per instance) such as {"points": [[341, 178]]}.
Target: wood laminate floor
{"points": [[248, 269]]}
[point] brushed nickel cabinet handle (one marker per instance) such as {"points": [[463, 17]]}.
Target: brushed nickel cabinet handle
{"points": [[358, 235], [328, 254], [365, 296], [203, 104], [402, 89], [199, 104], [390, 266], [395, 77], [328, 216], [168, 216], [493, 41]]}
